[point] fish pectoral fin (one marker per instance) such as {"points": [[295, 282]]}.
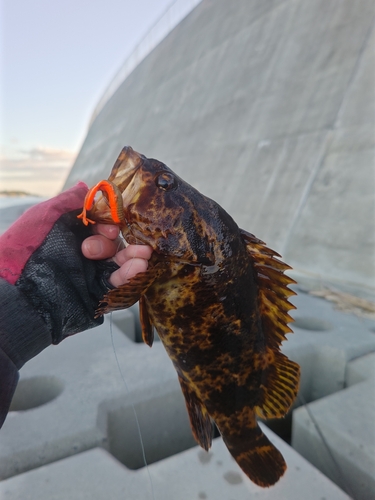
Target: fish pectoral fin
{"points": [[126, 295], [279, 388], [200, 420], [147, 327], [260, 460]]}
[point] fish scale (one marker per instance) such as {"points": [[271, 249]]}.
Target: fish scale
{"points": [[218, 298]]}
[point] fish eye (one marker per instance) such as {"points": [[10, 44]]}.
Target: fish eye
{"points": [[165, 181]]}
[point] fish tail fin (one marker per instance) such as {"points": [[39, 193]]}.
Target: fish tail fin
{"points": [[260, 460]]}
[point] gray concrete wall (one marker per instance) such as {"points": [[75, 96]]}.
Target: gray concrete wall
{"points": [[267, 106]]}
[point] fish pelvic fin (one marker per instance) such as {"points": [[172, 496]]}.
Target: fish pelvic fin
{"points": [[260, 460], [147, 328], [280, 384], [200, 421]]}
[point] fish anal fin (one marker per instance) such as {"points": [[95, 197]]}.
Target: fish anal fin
{"points": [[260, 460], [128, 294], [279, 387], [147, 328], [200, 420]]}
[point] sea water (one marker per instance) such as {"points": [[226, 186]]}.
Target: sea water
{"points": [[11, 201], [12, 207]]}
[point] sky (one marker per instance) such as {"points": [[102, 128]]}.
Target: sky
{"points": [[57, 58]]}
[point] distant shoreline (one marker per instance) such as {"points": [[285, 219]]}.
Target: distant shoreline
{"points": [[18, 194]]}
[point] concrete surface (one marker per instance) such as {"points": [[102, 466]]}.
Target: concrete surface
{"points": [[361, 369], [346, 420], [44, 449], [190, 475], [336, 433], [268, 107], [325, 343]]}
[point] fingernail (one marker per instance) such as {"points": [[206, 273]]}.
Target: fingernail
{"points": [[94, 247]]}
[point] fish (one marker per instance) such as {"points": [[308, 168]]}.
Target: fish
{"points": [[217, 297]]}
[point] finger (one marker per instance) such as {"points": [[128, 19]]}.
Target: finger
{"points": [[127, 271], [131, 252], [99, 247], [108, 230]]}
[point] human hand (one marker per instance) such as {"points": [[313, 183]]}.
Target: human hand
{"points": [[106, 244], [40, 254]]}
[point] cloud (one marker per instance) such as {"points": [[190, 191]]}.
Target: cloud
{"points": [[40, 169], [36, 159], [49, 154]]}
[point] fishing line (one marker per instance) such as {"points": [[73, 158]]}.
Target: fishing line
{"points": [[345, 484], [135, 414], [127, 387]]}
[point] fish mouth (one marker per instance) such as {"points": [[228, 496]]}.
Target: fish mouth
{"points": [[123, 188], [125, 167]]}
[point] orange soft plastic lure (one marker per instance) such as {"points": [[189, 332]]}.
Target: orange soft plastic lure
{"points": [[114, 201]]}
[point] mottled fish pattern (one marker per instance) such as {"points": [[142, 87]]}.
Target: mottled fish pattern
{"points": [[218, 298]]}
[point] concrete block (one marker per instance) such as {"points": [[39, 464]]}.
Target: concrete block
{"points": [[192, 474], [347, 454], [335, 350], [73, 400], [337, 433], [79, 376], [360, 369], [324, 342]]}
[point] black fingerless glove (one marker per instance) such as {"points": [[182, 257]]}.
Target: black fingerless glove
{"points": [[62, 285]]}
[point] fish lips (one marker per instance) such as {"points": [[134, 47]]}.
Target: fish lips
{"points": [[125, 167], [124, 184]]}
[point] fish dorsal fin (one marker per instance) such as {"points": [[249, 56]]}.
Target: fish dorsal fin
{"points": [[280, 380], [273, 291], [200, 421], [126, 295], [147, 327]]}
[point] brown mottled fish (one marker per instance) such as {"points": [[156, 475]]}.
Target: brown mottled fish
{"points": [[217, 297]]}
